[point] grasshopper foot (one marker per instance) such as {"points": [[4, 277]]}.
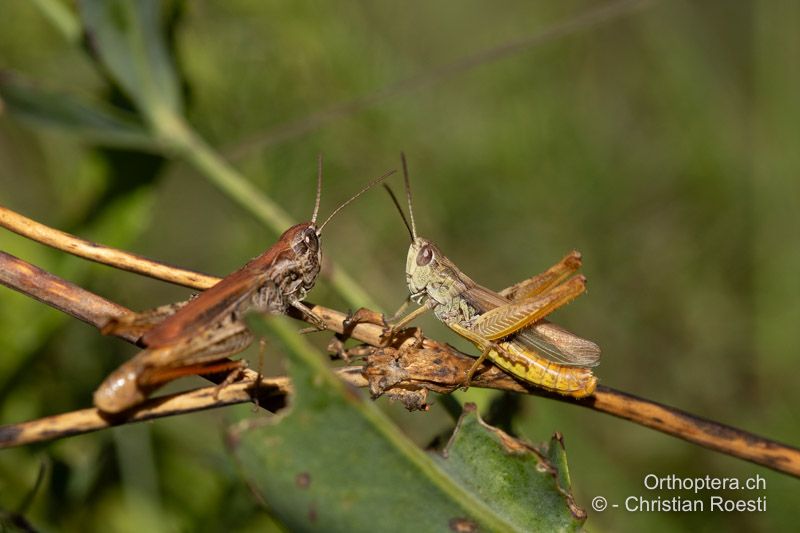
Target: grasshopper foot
{"points": [[368, 316], [362, 315], [336, 348], [237, 371]]}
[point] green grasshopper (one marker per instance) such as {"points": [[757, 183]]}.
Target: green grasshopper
{"points": [[507, 326]]}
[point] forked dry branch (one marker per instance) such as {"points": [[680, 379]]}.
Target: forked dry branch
{"points": [[405, 370]]}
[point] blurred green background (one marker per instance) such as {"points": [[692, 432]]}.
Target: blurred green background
{"points": [[662, 144]]}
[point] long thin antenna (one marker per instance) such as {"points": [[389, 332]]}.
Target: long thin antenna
{"points": [[356, 195], [319, 188], [408, 196], [399, 210]]}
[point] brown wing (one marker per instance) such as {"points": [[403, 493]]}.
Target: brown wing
{"points": [[222, 298], [484, 299], [209, 306]]}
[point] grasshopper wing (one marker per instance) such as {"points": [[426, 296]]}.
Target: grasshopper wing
{"points": [[510, 317], [558, 345], [209, 307], [522, 322]]}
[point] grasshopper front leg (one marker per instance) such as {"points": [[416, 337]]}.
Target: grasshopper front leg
{"points": [[364, 315], [391, 329], [410, 316], [314, 319]]}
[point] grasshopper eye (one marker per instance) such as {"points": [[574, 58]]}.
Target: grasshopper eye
{"points": [[424, 256], [311, 240], [307, 242]]}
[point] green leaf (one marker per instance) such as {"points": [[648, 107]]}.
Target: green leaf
{"points": [[87, 120], [128, 37], [334, 462], [528, 487], [61, 17]]}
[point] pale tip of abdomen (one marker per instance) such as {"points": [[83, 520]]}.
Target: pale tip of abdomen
{"points": [[118, 393], [587, 388]]}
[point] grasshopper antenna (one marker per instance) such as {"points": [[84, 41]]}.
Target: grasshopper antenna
{"points": [[319, 188], [356, 195], [408, 196], [399, 210]]}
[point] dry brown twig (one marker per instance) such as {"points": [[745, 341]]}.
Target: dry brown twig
{"points": [[406, 370], [102, 254]]}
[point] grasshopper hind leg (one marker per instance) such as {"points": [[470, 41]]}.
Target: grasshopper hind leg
{"points": [[545, 281], [478, 362]]}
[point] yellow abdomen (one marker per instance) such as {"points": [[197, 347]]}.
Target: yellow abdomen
{"points": [[575, 381]]}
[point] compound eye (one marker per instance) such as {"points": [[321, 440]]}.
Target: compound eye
{"points": [[424, 256], [311, 240]]}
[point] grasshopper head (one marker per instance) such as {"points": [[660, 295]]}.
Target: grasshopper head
{"points": [[306, 252], [429, 274], [422, 272]]}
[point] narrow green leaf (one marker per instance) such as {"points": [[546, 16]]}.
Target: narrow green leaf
{"points": [[62, 18], [88, 120], [334, 462], [129, 40]]}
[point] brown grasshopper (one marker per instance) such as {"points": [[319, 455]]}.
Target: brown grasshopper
{"points": [[197, 335], [509, 326]]}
